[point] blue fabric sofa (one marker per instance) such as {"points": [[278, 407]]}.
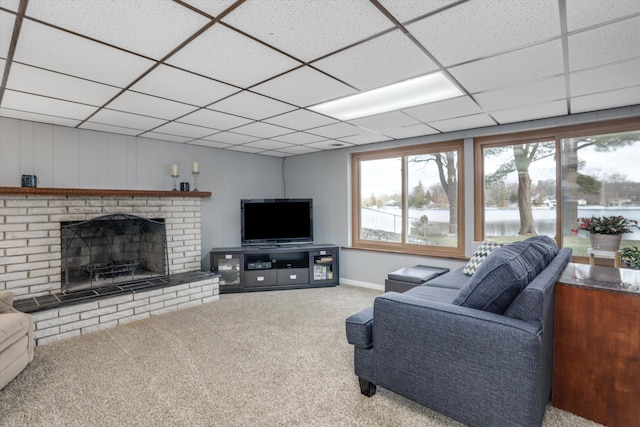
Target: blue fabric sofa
{"points": [[477, 349]]}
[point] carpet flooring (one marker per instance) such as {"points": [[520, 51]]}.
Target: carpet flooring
{"points": [[276, 358]]}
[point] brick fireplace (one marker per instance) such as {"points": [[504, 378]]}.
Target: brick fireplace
{"points": [[31, 256]]}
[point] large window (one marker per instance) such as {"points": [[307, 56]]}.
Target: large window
{"points": [[541, 182], [409, 199]]}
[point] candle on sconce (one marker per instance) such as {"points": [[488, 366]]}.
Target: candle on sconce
{"points": [[196, 167], [174, 169]]}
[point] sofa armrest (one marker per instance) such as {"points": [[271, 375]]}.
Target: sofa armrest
{"points": [[430, 352]]}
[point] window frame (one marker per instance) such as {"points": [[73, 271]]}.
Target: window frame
{"points": [[403, 247]]}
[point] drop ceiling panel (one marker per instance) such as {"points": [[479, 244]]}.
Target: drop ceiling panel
{"points": [[7, 21], [42, 105], [410, 131], [516, 96], [251, 105], [337, 130], [472, 30], [615, 42], [299, 138], [109, 128], [165, 137], [166, 24], [601, 79], [10, 4], [386, 59], [579, 16], [213, 119], [539, 61], [38, 81], [531, 112], [297, 149], [190, 131], [303, 87], [380, 122], [231, 138], [410, 9], [262, 130], [301, 119], [462, 123], [612, 99], [127, 120], [58, 51], [365, 138], [329, 144], [211, 144], [225, 55], [267, 144], [171, 83], [245, 149], [133, 102], [213, 8], [461, 106], [41, 118], [308, 29]]}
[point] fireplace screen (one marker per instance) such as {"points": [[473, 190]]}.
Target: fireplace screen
{"points": [[113, 249]]}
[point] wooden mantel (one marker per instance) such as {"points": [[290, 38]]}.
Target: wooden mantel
{"points": [[100, 192]]}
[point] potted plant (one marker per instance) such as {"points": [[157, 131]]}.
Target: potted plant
{"points": [[605, 232], [631, 256]]}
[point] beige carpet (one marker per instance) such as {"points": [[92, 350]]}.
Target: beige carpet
{"points": [[275, 358]]}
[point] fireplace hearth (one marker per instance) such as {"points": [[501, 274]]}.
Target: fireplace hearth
{"points": [[112, 249]]}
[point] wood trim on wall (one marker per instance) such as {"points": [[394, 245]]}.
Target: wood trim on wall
{"points": [[100, 192]]}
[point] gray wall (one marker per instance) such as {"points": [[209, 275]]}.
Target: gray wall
{"points": [[67, 157]]}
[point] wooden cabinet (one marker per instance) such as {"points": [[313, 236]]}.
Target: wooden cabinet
{"points": [[596, 364]]}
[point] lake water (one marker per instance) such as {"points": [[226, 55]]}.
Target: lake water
{"points": [[499, 222]]}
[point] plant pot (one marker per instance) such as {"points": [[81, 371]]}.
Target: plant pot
{"points": [[605, 242]]}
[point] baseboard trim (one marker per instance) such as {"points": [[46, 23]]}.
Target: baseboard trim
{"points": [[362, 284]]}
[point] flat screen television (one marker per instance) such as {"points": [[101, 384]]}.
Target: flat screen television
{"points": [[276, 221]]}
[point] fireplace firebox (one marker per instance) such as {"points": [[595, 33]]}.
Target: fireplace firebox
{"points": [[112, 249]]}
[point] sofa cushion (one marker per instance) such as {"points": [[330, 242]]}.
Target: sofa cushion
{"points": [[13, 326], [485, 248], [504, 273], [445, 295], [6, 301], [454, 279]]}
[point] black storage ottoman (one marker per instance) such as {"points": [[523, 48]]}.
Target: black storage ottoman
{"points": [[409, 277]]}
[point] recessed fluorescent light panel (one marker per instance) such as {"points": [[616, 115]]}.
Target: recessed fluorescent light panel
{"points": [[408, 93]]}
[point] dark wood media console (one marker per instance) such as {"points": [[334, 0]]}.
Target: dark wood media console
{"points": [[274, 268]]}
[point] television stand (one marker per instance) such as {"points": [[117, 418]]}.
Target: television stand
{"points": [[264, 268]]}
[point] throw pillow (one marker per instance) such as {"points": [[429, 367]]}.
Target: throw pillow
{"points": [[6, 301], [479, 255]]}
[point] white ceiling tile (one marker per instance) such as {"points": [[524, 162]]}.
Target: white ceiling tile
{"points": [[251, 105], [461, 106], [10, 4], [171, 83], [365, 138], [41, 82], [300, 120], [383, 121], [521, 66], [262, 130], [211, 144], [43, 105], [300, 27], [109, 128], [211, 7], [531, 112], [228, 56], [303, 87], [526, 94], [58, 51], [463, 123], [410, 131], [582, 15], [601, 79], [166, 24], [275, 153], [127, 120], [165, 137], [299, 138], [297, 149], [35, 117], [605, 100], [338, 130], [384, 60], [181, 129], [213, 119], [231, 138], [133, 102], [245, 149], [329, 144], [603, 45], [267, 144], [474, 30], [7, 21], [406, 10]]}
